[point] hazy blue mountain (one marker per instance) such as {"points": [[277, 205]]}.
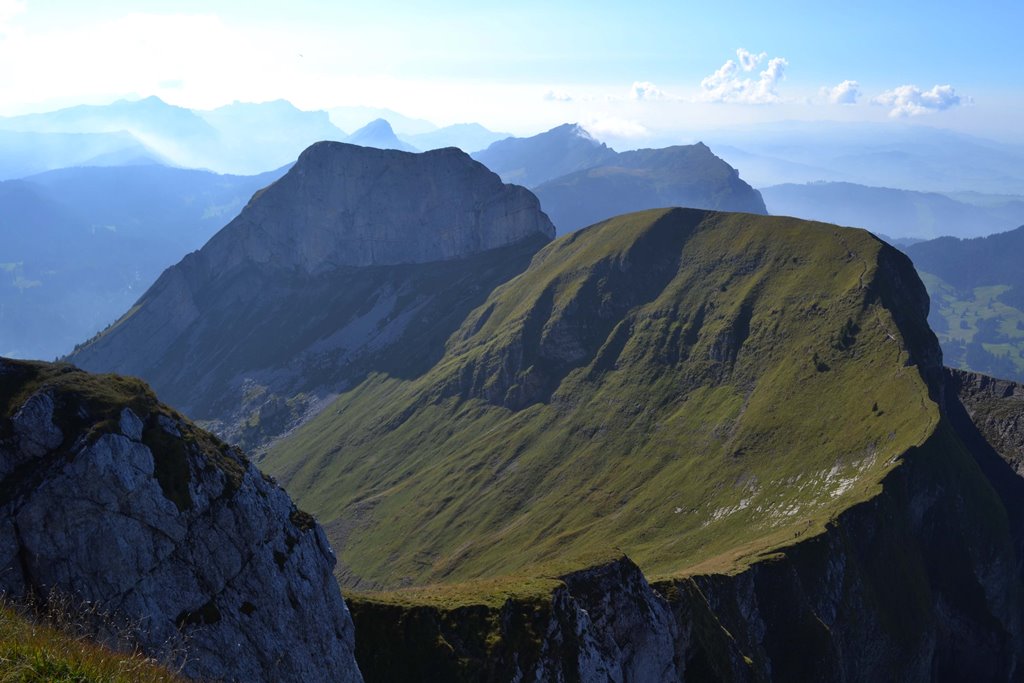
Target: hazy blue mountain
{"points": [[78, 245], [149, 117], [469, 137], [237, 138], [355, 117], [690, 176], [890, 155], [27, 153], [897, 213], [378, 133], [534, 160], [977, 294], [257, 137]]}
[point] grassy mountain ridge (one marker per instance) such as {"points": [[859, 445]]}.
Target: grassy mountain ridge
{"points": [[697, 347]]}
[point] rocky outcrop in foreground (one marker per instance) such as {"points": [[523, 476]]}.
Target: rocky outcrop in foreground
{"points": [[109, 499]]}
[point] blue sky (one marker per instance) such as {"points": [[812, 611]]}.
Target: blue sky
{"points": [[635, 69]]}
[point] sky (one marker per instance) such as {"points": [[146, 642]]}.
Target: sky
{"points": [[627, 70]]}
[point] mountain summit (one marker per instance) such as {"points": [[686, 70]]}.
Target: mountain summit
{"points": [[318, 279], [378, 133], [530, 161]]}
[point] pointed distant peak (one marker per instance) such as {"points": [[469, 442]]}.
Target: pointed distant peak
{"points": [[378, 126], [152, 101], [571, 129]]}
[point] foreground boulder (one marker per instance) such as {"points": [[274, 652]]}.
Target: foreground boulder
{"points": [[110, 500]]}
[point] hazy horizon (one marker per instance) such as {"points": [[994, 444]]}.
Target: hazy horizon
{"points": [[642, 74]]}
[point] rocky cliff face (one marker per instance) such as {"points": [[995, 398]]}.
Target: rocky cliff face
{"points": [[316, 281], [344, 205], [110, 499], [996, 407]]}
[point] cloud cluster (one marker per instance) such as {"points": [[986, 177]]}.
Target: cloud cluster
{"points": [[909, 100], [645, 90], [613, 126], [557, 96], [731, 83], [847, 92]]}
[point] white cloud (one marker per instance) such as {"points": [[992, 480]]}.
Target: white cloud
{"points": [[846, 92], [557, 96], [645, 90], [729, 84], [748, 60], [909, 100], [613, 126]]}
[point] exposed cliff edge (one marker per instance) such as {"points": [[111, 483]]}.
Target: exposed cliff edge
{"points": [[110, 499], [356, 260]]}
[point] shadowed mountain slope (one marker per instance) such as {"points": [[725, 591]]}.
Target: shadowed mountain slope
{"points": [[356, 260]]}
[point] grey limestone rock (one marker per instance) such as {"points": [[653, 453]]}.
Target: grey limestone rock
{"points": [[158, 525]]}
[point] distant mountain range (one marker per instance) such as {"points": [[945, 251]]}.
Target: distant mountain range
{"points": [[581, 181], [977, 294], [237, 138], [469, 137], [880, 155], [355, 117], [378, 134], [895, 213], [27, 153], [80, 245], [534, 160], [690, 176]]}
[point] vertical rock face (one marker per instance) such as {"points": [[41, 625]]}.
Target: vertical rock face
{"points": [[345, 205], [109, 498], [996, 407]]}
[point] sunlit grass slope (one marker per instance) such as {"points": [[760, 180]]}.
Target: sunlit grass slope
{"points": [[693, 389], [31, 652]]}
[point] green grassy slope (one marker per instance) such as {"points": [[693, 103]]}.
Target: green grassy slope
{"points": [[32, 652], [691, 388]]}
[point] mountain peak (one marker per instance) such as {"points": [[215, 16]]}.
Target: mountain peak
{"points": [[553, 153], [379, 133]]}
